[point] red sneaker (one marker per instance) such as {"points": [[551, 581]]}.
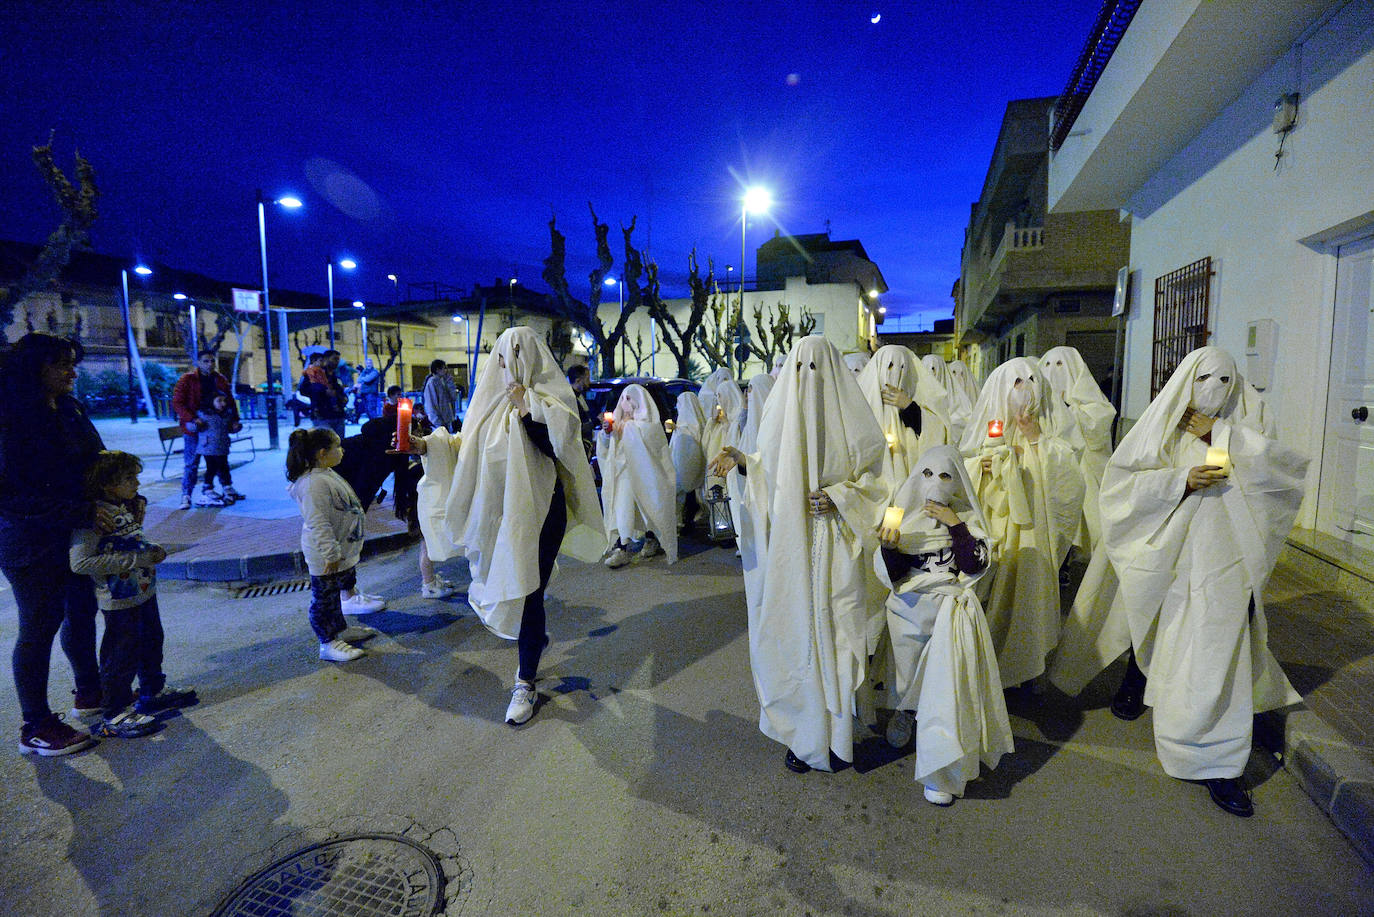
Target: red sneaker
{"points": [[51, 738]]}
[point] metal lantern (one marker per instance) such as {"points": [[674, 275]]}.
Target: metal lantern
{"points": [[720, 525]]}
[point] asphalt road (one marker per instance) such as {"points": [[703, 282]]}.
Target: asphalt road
{"points": [[642, 786]]}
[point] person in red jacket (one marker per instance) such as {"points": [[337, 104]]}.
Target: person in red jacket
{"points": [[193, 392]]}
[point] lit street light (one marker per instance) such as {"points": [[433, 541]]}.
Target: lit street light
{"points": [[290, 203], [131, 349], [756, 201], [347, 264]]}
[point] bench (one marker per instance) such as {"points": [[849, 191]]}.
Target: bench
{"points": [[173, 441]]}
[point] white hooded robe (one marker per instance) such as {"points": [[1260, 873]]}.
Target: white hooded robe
{"points": [[638, 483], [1089, 431]]}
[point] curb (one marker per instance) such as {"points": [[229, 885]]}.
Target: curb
{"points": [[267, 566], [1337, 775]]}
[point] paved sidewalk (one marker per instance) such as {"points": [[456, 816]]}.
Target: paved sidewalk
{"points": [[255, 539]]}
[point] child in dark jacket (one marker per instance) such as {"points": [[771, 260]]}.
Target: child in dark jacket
{"points": [[124, 566], [213, 443]]}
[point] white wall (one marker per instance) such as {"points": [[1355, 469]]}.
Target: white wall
{"points": [[1221, 196]]}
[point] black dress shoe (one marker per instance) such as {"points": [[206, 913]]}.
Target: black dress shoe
{"points": [[1129, 702], [794, 764], [1230, 795]]}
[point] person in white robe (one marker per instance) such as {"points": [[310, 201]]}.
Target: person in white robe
{"points": [[1089, 429], [778, 360], [689, 458], [507, 493], [856, 361], [707, 392], [963, 381], [723, 427], [1028, 483], [946, 676], [1196, 503], [750, 534], [949, 401], [638, 482], [815, 483]]}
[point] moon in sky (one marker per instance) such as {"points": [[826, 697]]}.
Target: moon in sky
{"points": [[875, 18]]}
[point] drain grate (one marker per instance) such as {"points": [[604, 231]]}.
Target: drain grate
{"points": [[263, 589], [363, 875]]}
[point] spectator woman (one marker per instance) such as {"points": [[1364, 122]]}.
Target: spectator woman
{"points": [[47, 443]]}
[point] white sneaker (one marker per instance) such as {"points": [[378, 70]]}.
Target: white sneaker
{"points": [[899, 728], [937, 798], [357, 633], [337, 650], [233, 495], [618, 558], [439, 589], [185, 501], [521, 707], [208, 497], [651, 548], [360, 603]]}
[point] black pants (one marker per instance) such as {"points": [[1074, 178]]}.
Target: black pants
{"points": [[132, 645], [217, 466], [52, 600], [533, 621]]}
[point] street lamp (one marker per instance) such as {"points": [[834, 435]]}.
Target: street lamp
{"points": [[290, 203], [347, 264], [195, 329], [467, 345], [131, 348], [362, 318], [756, 201]]}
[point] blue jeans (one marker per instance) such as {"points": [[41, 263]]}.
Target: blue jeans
{"points": [[334, 423], [52, 600], [190, 465]]}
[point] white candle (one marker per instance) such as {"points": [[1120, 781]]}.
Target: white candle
{"points": [[1219, 457], [891, 442], [892, 518]]}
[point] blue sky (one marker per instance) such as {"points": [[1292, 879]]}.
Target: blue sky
{"points": [[435, 145]]}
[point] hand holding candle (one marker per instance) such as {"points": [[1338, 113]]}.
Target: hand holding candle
{"points": [[1218, 457], [608, 421], [890, 530]]}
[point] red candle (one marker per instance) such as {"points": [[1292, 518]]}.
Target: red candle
{"points": [[994, 429], [403, 424]]}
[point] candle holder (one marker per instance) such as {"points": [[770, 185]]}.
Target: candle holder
{"points": [[720, 525], [1219, 457]]}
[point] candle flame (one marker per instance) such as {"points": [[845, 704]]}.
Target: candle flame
{"points": [[994, 428]]}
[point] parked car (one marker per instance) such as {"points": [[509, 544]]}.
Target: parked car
{"points": [[604, 393]]}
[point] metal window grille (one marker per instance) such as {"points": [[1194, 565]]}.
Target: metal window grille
{"points": [[1182, 300]]}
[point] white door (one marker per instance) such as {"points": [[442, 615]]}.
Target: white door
{"points": [[1345, 505]]}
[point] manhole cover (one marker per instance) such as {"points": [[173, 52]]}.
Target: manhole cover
{"points": [[364, 875]]}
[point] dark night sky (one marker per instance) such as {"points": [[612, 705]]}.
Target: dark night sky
{"points": [[435, 145]]}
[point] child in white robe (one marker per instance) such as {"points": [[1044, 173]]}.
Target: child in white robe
{"points": [[950, 402], [1196, 503], [946, 669], [689, 459], [638, 483], [724, 424], [815, 485], [750, 534], [1029, 486]]}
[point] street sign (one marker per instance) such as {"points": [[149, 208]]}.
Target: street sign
{"points": [[742, 353], [247, 301]]}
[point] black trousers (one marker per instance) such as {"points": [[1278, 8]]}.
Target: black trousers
{"points": [[132, 645], [533, 635], [52, 599]]}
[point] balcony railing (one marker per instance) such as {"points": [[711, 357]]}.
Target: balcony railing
{"points": [[1017, 239]]}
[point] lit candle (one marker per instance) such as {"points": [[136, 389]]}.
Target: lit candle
{"points": [[403, 424], [892, 517], [891, 442], [609, 417], [994, 429], [1219, 457], [669, 426]]}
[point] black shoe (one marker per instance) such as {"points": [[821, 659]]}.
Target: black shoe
{"points": [[794, 764], [1129, 702], [1231, 796]]}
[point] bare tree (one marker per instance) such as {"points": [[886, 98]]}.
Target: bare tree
{"points": [[392, 340], [715, 338], [775, 335], [680, 340], [584, 315], [79, 211]]}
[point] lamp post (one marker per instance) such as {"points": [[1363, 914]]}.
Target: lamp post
{"points": [[396, 305], [362, 318], [467, 343], [131, 350], [347, 264], [193, 345], [290, 203], [756, 201]]}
